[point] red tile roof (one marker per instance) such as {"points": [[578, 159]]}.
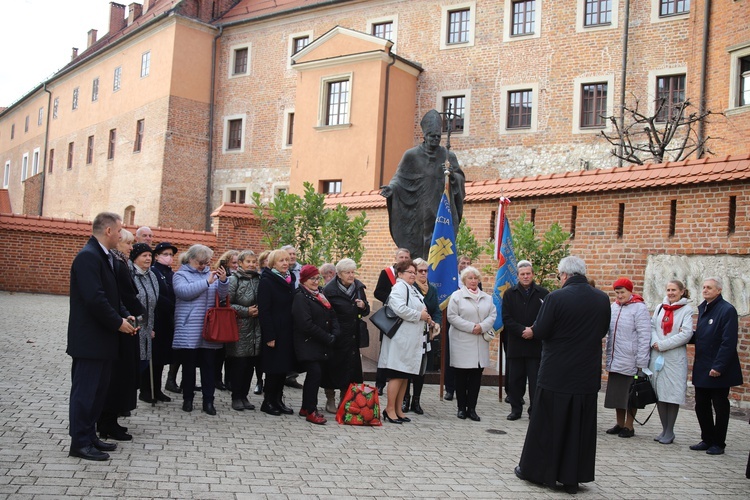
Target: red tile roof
{"points": [[234, 210], [705, 170]]}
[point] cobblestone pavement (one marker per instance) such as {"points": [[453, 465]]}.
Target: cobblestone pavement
{"points": [[253, 455]]}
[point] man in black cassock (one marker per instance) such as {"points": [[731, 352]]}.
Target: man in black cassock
{"points": [[560, 442]]}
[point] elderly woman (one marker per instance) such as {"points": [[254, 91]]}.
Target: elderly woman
{"points": [[628, 342], [471, 312], [401, 356], [671, 330], [429, 294], [229, 260], [275, 297], [245, 353], [164, 317], [123, 385], [315, 331], [262, 264], [196, 288], [148, 294], [347, 296]]}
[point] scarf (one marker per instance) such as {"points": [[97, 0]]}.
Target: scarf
{"points": [[473, 294], [349, 291], [286, 277], [423, 288], [318, 295], [667, 322]]}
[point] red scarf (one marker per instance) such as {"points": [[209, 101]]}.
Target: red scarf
{"points": [[667, 322], [319, 297]]}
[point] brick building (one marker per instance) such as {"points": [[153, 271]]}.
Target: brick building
{"points": [[243, 96]]}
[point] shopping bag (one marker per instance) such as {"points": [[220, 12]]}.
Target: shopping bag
{"points": [[360, 406]]}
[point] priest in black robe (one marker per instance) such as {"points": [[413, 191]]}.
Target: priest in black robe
{"points": [[560, 441]]}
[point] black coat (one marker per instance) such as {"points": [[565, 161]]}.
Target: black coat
{"points": [[275, 297], [383, 287], [346, 365], [519, 311], [571, 325], [95, 311], [715, 340], [315, 327], [164, 315]]}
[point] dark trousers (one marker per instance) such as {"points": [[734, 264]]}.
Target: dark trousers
{"points": [[418, 381], [712, 433], [219, 363], [241, 374], [450, 375], [311, 387], [519, 370], [273, 388], [146, 381], [88, 392], [190, 359], [468, 382]]}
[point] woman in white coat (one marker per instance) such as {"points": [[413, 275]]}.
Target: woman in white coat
{"points": [[671, 329], [471, 312], [401, 356]]}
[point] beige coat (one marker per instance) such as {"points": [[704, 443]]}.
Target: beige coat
{"points": [[464, 311]]}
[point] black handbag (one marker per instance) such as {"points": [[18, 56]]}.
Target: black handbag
{"points": [[387, 321], [641, 395]]}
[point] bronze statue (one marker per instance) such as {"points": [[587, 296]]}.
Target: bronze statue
{"points": [[414, 192]]}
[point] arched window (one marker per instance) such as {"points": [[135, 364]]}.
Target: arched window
{"points": [[129, 216]]}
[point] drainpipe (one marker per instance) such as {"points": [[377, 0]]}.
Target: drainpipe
{"points": [[385, 115], [209, 167], [624, 73], [704, 60], [44, 155]]}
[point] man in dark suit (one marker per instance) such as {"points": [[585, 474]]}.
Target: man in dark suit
{"points": [[95, 321]]}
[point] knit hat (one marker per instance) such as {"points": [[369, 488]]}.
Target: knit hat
{"points": [[138, 249], [307, 272], [623, 283]]}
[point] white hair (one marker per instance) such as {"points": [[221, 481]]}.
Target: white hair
{"points": [[470, 270], [523, 263], [571, 265]]}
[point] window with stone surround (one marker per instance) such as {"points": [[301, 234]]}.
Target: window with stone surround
{"points": [[520, 106], [51, 160], [26, 124], [90, 150], [234, 134], [140, 126], [116, 79], [71, 146], [75, 98], [457, 25], [670, 94], [523, 17], [55, 105], [239, 64], [598, 12], [35, 162], [456, 105], [288, 131], [236, 195], [739, 78], [95, 90], [673, 7], [145, 64], [297, 42], [24, 166], [337, 101], [383, 30], [6, 175], [384, 27], [593, 102], [40, 117]]}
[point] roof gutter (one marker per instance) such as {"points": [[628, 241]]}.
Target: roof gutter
{"points": [[209, 166], [44, 155]]}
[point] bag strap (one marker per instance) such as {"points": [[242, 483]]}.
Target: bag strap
{"points": [[647, 418]]}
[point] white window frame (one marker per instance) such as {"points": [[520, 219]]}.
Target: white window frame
{"points": [[35, 161], [380, 20], [95, 89], [55, 106], [655, 74], [285, 129], [504, 91], [290, 45], [508, 16], [444, 10], [40, 120], [75, 98], [145, 64], [6, 175], [736, 53], [232, 57], [236, 187], [225, 139], [577, 83], [656, 18], [467, 109], [24, 166], [581, 18], [117, 79], [323, 101]]}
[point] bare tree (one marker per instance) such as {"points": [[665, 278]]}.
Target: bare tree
{"points": [[669, 134]]}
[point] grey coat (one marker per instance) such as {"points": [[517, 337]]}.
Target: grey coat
{"points": [[148, 294], [243, 293]]}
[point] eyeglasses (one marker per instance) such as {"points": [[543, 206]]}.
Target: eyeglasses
{"points": [[203, 262], [422, 271], [409, 272]]}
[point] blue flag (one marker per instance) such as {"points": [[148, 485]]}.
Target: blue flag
{"points": [[507, 272], [442, 262]]}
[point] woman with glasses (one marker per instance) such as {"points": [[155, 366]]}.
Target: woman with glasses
{"points": [[401, 356], [195, 289]]}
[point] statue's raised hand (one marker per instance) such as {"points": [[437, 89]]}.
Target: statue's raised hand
{"points": [[386, 191]]}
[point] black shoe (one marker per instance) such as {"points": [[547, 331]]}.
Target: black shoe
{"points": [[284, 408], [416, 407], [519, 475], [160, 396], [124, 414], [209, 408], [270, 408], [404, 419], [380, 390], [514, 415], [172, 386], [614, 430], [102, 446], [570, 489], [237, 405], [228, 385], [626, 433], [405, 404], [472, 414], [247, 404], [389, 419], [116, 434], [220, 386], [702, 446], [88, 453], [448, 396], [461, 414], [258, 388], [292, 382], [507, 399], [187, 405], [715, 450], [146, 398]]}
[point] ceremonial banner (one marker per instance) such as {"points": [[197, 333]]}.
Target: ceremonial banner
{"points": [[507, 272], [442, 270]]}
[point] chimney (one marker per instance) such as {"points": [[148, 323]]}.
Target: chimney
{"points": [[134, 12], [116, 17], [74, 54], [91, 39]]}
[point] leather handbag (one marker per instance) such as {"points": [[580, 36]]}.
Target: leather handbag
{"points": [[386, 320], [220, 324], [641, 392]]}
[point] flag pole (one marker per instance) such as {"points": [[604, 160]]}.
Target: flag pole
{"points": [[444, 320]]}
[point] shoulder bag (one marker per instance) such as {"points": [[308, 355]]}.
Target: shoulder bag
{"points": [[220, 324], [386, 320], [641, 394]]}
